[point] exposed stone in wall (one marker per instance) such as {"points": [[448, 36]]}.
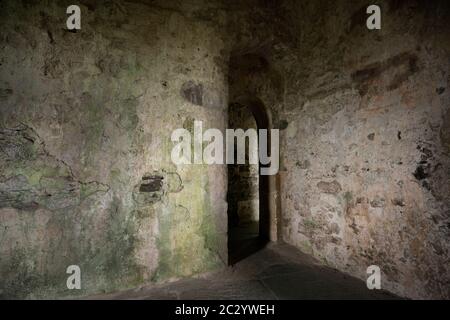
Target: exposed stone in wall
{"points": [[332, 187], [403, 66], [193, 92]]}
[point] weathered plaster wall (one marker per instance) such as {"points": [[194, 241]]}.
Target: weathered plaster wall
{"points": [[86, 119], [366, 163]]}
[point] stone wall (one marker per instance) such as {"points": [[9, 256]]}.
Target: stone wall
{"points": [[86, 119], [366, 161]]}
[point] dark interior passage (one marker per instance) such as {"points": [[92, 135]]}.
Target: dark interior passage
{"points": [[246, 201]]}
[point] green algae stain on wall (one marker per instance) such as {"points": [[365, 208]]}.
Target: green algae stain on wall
{"points": [[107, 263], [51, 220], [187, 240], [111, 263]]}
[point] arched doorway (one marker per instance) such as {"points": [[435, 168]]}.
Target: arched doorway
{"points": [[248, 190]]}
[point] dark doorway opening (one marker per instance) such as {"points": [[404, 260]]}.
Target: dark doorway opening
{"points": [[248, 190]]}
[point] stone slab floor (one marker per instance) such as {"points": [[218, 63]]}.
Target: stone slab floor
{"points": [[278, 271]]}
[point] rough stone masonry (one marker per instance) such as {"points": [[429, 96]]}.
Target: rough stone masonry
{"points": [[86, 119]]}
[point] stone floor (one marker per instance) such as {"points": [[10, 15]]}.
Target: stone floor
{"points": [[278, 271]]}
